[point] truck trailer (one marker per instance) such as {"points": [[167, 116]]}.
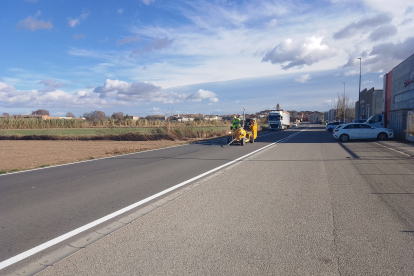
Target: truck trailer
{"points": [[278, 120]]}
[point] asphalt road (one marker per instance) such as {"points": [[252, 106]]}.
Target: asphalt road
{"points": [[307, 206], [37, 206]]}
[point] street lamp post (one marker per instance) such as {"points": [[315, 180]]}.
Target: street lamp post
{"points": [[337, 107], [344, 105], [359, 94]]}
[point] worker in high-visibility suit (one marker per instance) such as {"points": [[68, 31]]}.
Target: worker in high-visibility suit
{"points": [[236, 123]]}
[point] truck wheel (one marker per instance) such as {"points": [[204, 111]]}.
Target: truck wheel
{"points": [[344, 137], [382, 136], [242, 142], [252, 139]]}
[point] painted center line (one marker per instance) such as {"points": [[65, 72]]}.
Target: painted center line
{"points": [[81, 229]]}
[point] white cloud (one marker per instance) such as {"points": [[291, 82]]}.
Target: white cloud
{"points": [[156, 44], [120, 11], [11, 98], [127, 39], [52, 83], [214, 100], [351, 72], [383, 32], [381, 57], [290, 53], [4, 87], [155, 110], [136, 92], [392, 50], [148, 2], [32, 24], [303, 79], [202, 94], [272, 23], [363, 25], [76, 21], [73, 22]]}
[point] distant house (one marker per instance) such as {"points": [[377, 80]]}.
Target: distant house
{"points": [[212, 118], [316, 117], [200, 116], [133, 117], [183, 119]]}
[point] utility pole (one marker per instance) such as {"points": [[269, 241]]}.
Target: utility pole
{"points": [[344, 105], [337, 107]]}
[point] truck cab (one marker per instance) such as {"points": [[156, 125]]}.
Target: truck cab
{"points": [[278, 120], [376, 120]]}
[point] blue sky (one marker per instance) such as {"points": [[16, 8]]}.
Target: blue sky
{"points": [[147, 57]]}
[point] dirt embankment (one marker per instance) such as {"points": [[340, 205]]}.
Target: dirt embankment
{"points": [[21, 155]]}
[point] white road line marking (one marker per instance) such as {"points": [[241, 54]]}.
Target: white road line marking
{"points": [[72, 233]]}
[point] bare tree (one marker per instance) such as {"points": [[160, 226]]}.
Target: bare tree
{"points": [[41, 112], [95, 115], [70, 114], [6, 114], [118, 115], [345, 107]]}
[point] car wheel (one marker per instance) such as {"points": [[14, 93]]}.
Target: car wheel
{"points": [[330, 129], [242, 142], [382, 136], [344, 137]]}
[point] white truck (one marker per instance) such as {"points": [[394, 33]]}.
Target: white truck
{"points": [[278, 120], [377, 120]]}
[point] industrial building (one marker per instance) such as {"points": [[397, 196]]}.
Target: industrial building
{"points": [[398, 99]]}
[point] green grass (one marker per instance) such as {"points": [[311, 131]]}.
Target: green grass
{"points": [[90, 131], [9, 171]]}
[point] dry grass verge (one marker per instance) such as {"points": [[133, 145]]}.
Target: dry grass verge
{"points": [[172, 134]]}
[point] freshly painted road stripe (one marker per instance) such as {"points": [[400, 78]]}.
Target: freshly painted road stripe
{"points": [[79, 230]]}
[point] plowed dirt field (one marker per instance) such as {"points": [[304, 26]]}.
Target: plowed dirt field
{"points": [[22, 155]]}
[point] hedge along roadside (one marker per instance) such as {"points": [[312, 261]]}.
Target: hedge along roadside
{"points": [[32, 123], [173, 134]]}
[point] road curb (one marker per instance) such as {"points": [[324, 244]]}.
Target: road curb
{"points": [[398, 149]]}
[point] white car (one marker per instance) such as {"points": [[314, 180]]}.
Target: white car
{"points": [[361, 131]]}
